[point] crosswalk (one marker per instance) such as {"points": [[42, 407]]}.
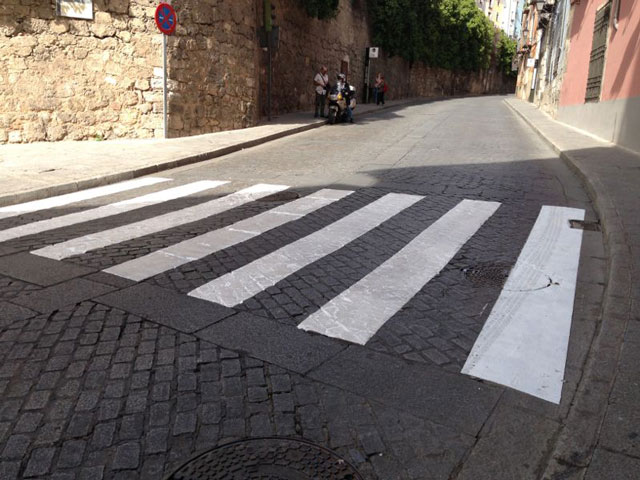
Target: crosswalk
{"points": [[530, 320]]}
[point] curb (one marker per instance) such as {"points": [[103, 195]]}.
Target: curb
{"points": [[591, 190], [61, 189], [70, 187], [572, 453]]}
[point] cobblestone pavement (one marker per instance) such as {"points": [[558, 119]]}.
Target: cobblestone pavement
{"points": [[102, 377]]}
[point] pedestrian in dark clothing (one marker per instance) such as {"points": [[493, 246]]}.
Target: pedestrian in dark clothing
{"points": [[382, 89], [377, 87]]}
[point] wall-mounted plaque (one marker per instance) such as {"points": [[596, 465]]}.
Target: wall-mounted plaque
{"points": [[75, 8]]}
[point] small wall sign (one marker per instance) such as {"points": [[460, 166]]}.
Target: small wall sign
{"points": [[75, 9]]}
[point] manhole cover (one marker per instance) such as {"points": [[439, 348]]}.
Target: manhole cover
{"points": [[267, 459], [285, 196], [487, 275]]}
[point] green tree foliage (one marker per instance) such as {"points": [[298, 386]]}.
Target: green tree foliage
{"points": [[321, 8], [506, 51], [452, 34]]}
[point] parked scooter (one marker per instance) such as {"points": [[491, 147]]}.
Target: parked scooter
{"points": [[338, 98]]}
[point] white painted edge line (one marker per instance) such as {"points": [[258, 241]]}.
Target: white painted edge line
{"points": [[360, 311], [107, 210], [239, 285], [169, 220], [523, 344], [211, 242], [52, 202]]}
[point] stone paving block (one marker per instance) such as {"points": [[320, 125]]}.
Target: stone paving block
{"points": [[426, 392], [157, 441], [9, 469], [91, 473], [50, 432], [40, 270], [127, 456], [166, 307], [67, 293], [108, 279], [39, 462], [621, 428], [71, 454], [15, 447], [103, 435], [521, 455], [28, 422], [279, 344], [185, 423], [604, 463], [10, 313]]}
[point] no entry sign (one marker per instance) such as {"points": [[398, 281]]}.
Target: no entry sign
{"points": [[166, 18]]}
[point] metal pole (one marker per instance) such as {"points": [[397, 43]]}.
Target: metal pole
{"points": [[269, 80], [367, 75], [164, 85]]}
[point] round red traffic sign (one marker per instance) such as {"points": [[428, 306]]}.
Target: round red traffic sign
{"points": [[166, 18]]}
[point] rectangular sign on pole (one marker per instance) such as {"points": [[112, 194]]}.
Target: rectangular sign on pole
{"points": [[75, 9], [374, 52]]}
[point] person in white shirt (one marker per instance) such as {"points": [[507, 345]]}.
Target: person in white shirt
{"points": [[321, 82]]}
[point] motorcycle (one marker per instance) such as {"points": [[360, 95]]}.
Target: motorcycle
{"points": [[338, 102]]}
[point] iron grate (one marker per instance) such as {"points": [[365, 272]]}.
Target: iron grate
{"points": [[271, 458]]}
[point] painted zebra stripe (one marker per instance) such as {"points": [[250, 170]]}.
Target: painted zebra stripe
{"points": [[358, 313], [45, 203], [524, 342], [243, 283], [211, 242], [107, 210], [105, 238]]}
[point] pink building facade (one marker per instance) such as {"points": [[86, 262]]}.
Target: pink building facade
{"points": [[600, 90]]}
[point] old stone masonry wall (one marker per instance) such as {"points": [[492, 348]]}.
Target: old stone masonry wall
{"points": [[213, 66], [70, 79], [101, 78]]}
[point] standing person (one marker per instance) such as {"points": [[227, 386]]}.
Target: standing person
{"points": [[376, 87], [321, 82], [382, 89]]}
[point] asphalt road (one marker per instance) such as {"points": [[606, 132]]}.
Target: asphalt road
{"points": [[129, 373]]}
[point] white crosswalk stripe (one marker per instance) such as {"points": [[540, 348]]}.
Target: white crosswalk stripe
{"points": [[211, 242], [107, 210], [105, 238], [59, 201], [241, 284], [524, 342], [359, 312]]}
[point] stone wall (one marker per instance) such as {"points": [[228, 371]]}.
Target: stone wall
{"points": [[68, 79], [213, 66], [437, 82], [65, 79], [307, 43]]}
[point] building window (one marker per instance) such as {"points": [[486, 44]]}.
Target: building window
{"points": [[75, 8], [598, 51]]}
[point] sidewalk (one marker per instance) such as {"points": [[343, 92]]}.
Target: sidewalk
{"points": [[602, 434], [38, 170]]}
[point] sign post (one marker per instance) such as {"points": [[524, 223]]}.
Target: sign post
{"points": [[370, 52], [166, 20], [164, 86]]}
